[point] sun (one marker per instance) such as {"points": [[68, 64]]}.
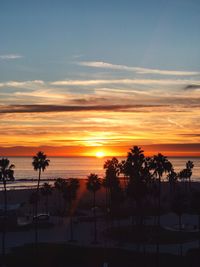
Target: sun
{"points": [[100, 154]]}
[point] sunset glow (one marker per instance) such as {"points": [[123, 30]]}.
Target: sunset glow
{"points": [[76, 98], [100, 154]]}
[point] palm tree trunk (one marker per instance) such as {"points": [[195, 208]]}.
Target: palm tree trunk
{"points": [[158, 226], [95, 220], [71, 224], [47, 204], [36, 208], [180, 224], [159, 200], [199, 229], [4, 224]]}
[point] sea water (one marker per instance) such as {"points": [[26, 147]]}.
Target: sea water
{"points": [[77, 167]]}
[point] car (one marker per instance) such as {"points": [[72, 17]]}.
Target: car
{"points": [[43, 217]]}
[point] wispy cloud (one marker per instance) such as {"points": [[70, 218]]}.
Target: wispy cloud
{"points": [[192, 87], [10, 56], [22, 84], [121, 81], [139, 70], [59, 108]]}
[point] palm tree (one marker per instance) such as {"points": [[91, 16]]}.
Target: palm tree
{"points": [[172, 178], [189, 167], [195, 207], [60, 185], [186, 173], [93, 185], [160, 165], [111, 182], [32, 202], [46, 191], [135, 169], [179, 205], [40, 163], [6, 173], [69, 194]]}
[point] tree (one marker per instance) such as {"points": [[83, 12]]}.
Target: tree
{"points": [[40, 163], [136, 168], [195, 207], [186, 173], [112, 183], [32, 201], [179, 206], [172, 178], [60, 185], [93, 185], [160, 165], [46, 191], [6, 174], [69, 194]]}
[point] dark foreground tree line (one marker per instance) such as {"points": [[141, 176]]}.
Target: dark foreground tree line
{"points": [[136, 181]]}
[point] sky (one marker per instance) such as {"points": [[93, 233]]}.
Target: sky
{"points": [[77, 77]]}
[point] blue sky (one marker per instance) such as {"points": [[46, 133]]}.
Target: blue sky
{"points": [[51, 35], [99, 72]]}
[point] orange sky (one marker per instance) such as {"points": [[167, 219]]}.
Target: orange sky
{"points": [[67, 88], [190, 150], [82, 131]]}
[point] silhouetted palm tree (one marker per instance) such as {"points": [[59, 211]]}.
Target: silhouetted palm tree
{"points": [[69, 194], [195, 207], [172, 178], [179, 205], [6, 173], [186, 173], [189, 167], [112, 183], [46, 191], [40, 163], [93, 185], [32, 201], [160, 165], [134, 168], [60, 185]]}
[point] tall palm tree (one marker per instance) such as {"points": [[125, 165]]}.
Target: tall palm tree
{"points": [[189, 167], [111, 181], [160, 165], [186, 174], [93, 185], [69, 194], [40, 163], [6, 173], [134, 168], [46, 191], [179, 206], [195, 207], [60, 185], [172, 178], [32, 202]]}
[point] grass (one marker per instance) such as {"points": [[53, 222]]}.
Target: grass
{"points": [[63, 255], [149, 235]]}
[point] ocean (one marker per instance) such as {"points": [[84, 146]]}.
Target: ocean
{"points": [[76, 167]]}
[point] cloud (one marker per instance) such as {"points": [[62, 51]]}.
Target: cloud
{"points": [[59, 108], [139, 70], [22, 84], [192, 86], [191, 135], [120, 81], [10, 56]]}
